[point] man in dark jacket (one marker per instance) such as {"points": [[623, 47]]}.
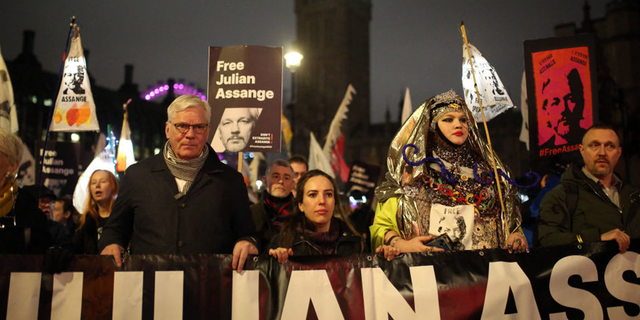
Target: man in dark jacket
{"points": [[592, 203], [274, 205], [182, 200], [60, 236]]}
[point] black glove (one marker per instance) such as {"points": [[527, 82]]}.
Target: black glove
{"points": [[57, 259]]}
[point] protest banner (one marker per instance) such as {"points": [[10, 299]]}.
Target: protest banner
{"points": [[562, 96], [568, 282]]}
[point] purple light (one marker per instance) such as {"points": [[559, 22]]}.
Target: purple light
{"points": [[179, 88]]}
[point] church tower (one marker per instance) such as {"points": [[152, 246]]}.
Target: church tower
{"points": [[333, 36]]}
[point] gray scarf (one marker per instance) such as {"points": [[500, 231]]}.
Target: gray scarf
{"points": [[184, 169]]}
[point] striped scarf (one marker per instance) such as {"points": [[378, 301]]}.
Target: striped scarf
{"points": [[184, 169]]}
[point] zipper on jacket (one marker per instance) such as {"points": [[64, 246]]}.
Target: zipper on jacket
{"points": [[606, 198]]}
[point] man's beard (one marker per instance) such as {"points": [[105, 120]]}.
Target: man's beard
{"points": [[235, 144], [279, 191]]}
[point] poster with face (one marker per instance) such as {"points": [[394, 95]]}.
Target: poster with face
{"points": [[75, 109], [245, 94], [457, 222], [234, 130], [8, 116], [562, 99]]}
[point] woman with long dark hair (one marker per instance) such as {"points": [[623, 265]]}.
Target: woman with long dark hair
{"points": [[318, 225]]}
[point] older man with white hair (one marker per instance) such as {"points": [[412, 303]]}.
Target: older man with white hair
{"points": [[182, 200]]}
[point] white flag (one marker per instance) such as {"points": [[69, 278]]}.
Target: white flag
{"points": [[334, 129], [407, 108], [75, 109], [8, 116], [125, 156], [495, 99], [317, 159], [524, 108]]}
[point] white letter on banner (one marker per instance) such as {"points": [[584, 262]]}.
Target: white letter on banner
{"points": [[619, 288], [313, 285], [505, 276], [127, 295], [245, 297], [572, 297], [382, 299], [66, 303], [24, 295], [168, 295]]}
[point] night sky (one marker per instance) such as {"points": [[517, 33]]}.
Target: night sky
{"points": [[414, 43]]}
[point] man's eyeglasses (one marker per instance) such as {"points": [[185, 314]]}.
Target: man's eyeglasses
{"points": [[183, 128]]}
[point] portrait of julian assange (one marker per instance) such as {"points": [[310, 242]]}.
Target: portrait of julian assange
{"points": [[73, 79], [234, 130]]}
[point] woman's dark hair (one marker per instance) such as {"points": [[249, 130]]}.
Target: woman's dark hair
{"points": [[298, 218]]}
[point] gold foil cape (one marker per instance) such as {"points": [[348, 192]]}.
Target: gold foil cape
{"points": [[416, 131]]}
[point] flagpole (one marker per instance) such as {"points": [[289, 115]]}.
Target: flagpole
{"points": [[486, 130], [40, 168]]}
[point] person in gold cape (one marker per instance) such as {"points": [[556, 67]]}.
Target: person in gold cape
{"points": [[441, 181]]}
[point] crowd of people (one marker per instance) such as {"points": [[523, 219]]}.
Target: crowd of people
{"points": [[444, 191]]}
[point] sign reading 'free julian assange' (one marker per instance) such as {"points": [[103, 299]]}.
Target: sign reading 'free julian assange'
{"points": [[587, 281], [245, 94]]}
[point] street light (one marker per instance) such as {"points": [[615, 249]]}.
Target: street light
{"points": [[293, 60]]}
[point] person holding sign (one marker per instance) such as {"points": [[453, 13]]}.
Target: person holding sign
{"points": [[441, 184], [182, 200]]}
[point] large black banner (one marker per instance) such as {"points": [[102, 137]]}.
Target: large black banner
{"points": [[586, 281]]}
